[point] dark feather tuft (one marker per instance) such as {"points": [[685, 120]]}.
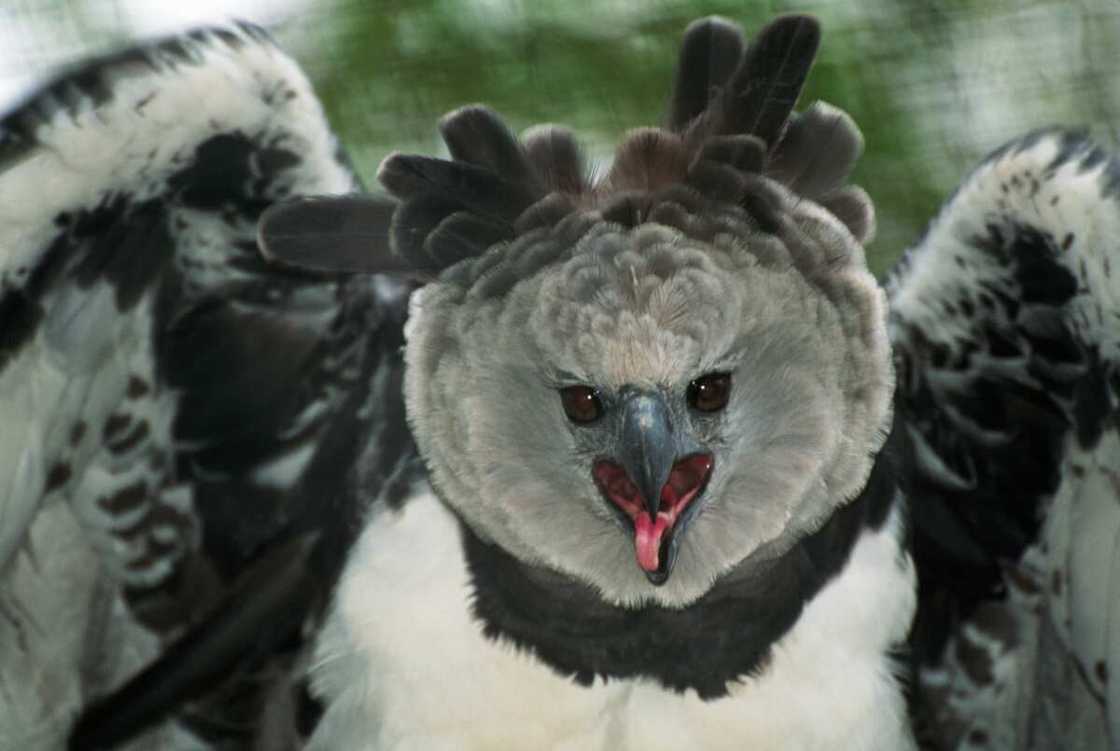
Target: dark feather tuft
{"points": [[728, 111], [648, 159], [332, 234], [711, 50], [762, 93], [460, 236], [476, 188], [556, 157], [817, 153], [412, 223], [476, 135]]}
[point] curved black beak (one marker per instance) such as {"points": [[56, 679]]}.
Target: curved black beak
{"points": [[652, 479], [648, 445]]}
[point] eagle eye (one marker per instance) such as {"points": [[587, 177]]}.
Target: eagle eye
{"points": [[709, 393], [581, 404]]}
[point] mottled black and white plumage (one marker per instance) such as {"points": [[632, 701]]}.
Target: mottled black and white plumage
{"points": [[689, 480], [1005, 324], [181, 419]]}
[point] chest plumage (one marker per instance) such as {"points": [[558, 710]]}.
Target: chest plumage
{"points": [[408, 666]]}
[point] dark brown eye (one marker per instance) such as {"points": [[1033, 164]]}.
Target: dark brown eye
{"points": [[709, 393], [581, 403]]}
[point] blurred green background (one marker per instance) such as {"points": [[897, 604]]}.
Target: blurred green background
{"points": [[934, 84]]}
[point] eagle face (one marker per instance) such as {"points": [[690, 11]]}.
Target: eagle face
{"points": [[644, 377], [645, 408]]}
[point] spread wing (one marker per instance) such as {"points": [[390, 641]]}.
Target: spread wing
{"points": [[186, 426], [1005, 322]]}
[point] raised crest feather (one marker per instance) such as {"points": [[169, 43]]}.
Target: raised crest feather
{"points": [[726, 141], [477, 135], [648, 159], [762, 94], [556, 157], [353, 228], [817, 153], [711, 50]]}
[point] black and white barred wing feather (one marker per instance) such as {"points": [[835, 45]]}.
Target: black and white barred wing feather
{"points": [[178, 415], [1006, 325]]}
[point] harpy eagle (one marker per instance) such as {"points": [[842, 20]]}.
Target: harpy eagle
{"points": [[684, 475]]}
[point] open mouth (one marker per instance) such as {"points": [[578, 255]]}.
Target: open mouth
{"points": [[656, 526]]}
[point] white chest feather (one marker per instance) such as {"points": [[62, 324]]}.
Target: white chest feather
{"points": [[403, 664]]}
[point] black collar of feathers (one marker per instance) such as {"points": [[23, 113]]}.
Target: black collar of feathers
{"points": [[723, 637]]}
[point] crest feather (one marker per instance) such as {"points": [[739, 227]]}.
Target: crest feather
{"points": [[730, 138], [477, 135], [818, 152], [556, 156], [711, 51], [648, 159]]}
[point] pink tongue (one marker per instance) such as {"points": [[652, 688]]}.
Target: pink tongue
{"points": [[647, 539]]}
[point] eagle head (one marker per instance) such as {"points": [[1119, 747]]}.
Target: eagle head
{"points": [[647, 379]]}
